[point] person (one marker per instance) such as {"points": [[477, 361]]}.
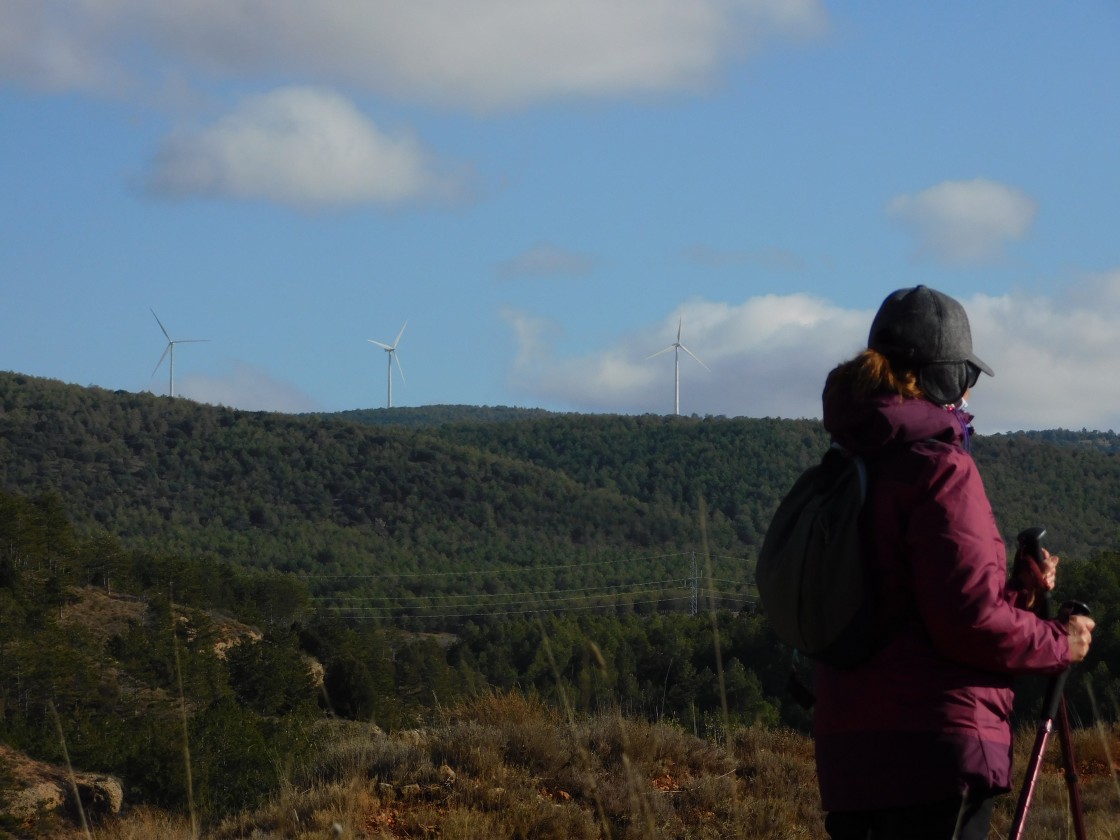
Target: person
{"points": [[916, 742]]}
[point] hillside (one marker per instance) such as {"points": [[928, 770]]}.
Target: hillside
{"points": [[252, 582], [429, 416], [501, 766], [342, 505], [444, 488]]}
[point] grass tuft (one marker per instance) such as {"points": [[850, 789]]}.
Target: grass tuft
{"points": [[508, 766]]}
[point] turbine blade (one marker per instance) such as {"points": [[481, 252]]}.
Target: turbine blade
{"points": [[396, 355], [693, 355], [659, 352], [680, 323], [398, 338], [379, 344], [166, 350], [158, 321]]}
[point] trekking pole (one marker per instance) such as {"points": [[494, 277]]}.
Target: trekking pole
{"points": [[1073, 781], [1053, 709]]}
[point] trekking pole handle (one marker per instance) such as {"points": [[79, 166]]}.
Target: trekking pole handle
{"points": [[1030, 553], [1030, 540], [1073, 608], [1030, 550]]}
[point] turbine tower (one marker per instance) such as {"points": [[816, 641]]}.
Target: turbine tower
{"points": [[677, 347], [169, 350], [391, 349]]}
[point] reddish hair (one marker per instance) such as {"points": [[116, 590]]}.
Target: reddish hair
{"points": [[870, 374]]}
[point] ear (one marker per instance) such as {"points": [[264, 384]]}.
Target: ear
{"points": [[944, 383]]}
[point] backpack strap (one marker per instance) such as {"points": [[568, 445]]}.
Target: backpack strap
{"points": [[861, 468], [796, 684]]}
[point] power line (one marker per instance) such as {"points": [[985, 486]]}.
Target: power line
{"points": [[505, 570], [499, 614], [556, 605], [458, 605], [497, 570], [554, 600], [514, 594]]}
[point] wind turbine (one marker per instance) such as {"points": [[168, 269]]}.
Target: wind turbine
{"points": [[677, 347], [391, 349], [169, 350]]}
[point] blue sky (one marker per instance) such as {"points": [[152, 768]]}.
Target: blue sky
{"points": [[544, 190]]}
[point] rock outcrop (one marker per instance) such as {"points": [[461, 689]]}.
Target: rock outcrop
{"points": [[36, 789]]}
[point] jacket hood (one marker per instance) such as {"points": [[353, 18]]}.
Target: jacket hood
{"points": [[889, 421]]}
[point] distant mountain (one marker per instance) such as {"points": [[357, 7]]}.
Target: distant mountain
{"points": [[400, 512], [435, 415], [422, 491], [1101, 441]]}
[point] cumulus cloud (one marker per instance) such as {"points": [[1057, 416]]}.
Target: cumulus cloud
{"points": [[765, 357], [248, 388], [482, 54], [1054, 358], [534, 336], [301, 146], [52, 45], [965, 222], [545, 260]]}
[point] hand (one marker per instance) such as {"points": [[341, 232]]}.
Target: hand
{"points": [[1080, 636], [1035, 579], [1049, 570]]}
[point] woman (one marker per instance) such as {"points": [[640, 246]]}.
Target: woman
{"points": [[916, 742]]}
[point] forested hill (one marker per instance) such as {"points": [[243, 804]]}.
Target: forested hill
{"points": [[1063, 480], [434, 415], [420, 556], [449, 487]]}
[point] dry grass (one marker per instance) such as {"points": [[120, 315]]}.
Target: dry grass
{"points": [[507, 766], [1096, 751], [100, 615], [147, 824]]}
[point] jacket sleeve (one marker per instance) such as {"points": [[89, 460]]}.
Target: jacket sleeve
{"points": [[958, 562]]}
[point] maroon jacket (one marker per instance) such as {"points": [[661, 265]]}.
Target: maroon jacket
{"points": [[928, 715]]}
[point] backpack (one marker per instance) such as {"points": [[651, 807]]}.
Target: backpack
{"points": [[811, 573]]}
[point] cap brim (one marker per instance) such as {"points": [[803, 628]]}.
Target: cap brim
{"points": [[975, 360]]}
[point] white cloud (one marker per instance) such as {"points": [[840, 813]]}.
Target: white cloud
{"points": [[534, 338], [1054, 359], [248, 388], [481, 54], [305, 147], [545, 260], [766, 357], [53, 46], [964, 222]]}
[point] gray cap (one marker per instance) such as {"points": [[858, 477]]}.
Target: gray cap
{"points": [[927, 331], [922, 326]]}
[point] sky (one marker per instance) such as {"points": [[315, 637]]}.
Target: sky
{"points": [[541, 193]]}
